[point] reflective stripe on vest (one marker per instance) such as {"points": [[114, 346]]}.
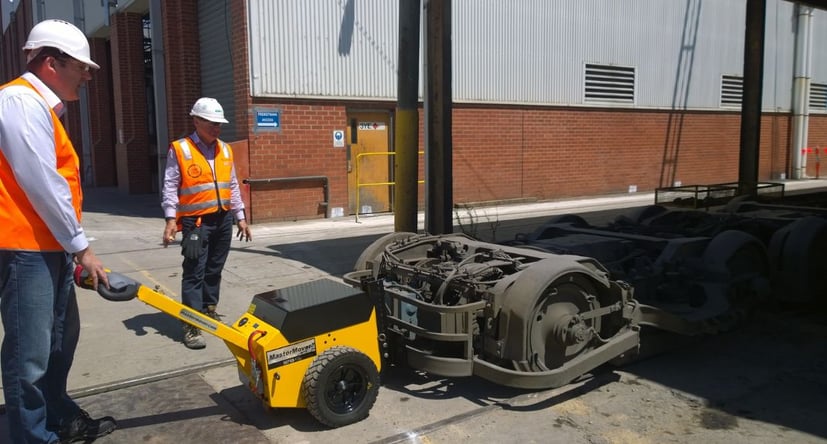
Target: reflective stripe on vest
{"points": [[203, 189], [23, 229]]}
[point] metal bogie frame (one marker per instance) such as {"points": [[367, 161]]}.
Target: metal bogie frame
{"points": [[532, 318], [455, 306]]}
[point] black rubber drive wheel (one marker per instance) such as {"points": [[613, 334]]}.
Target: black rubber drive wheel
{"points": [[340, 386]]}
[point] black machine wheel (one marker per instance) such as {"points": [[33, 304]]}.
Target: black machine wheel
{"points": [[556, 334], [375, 250], [341, 386]]}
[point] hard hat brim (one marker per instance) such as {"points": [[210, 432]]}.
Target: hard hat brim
{"points": [[34, 48], [211, 119], [87, 61]]}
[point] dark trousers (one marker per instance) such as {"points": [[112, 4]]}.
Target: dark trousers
{"points": [[201, 279]]}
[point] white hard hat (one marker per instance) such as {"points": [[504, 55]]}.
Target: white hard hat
{"points": [[209, 109], [62, 35]]}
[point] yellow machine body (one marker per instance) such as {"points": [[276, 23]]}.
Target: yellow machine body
{"points": [[284, 364]]}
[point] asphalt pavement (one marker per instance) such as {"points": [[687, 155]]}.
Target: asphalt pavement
{"points": [[131, 362]]}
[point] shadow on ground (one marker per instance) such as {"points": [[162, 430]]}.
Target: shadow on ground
{"points": [[113, 201], [157, 323]]}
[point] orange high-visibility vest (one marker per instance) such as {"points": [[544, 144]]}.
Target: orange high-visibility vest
{"points": [[23, 229], [200, 193]]}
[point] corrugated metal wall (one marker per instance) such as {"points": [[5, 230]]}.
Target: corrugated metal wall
{"points": [[779, 52], [525, 52], [819, 29], [330, 48], [217, 58]]}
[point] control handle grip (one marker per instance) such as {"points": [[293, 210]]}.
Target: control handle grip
{"points": [[121, 288]]}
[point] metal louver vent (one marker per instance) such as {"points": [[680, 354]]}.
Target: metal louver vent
{"points": [[818, 96], [614, 84], [732, 90]]}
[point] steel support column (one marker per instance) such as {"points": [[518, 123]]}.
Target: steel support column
{"points": [[751, 101], [438, 97], [406, 133]]}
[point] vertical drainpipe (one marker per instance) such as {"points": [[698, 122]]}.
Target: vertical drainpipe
{"points": [[159, 87], [801, 90], [41, 11], [87, 175]]}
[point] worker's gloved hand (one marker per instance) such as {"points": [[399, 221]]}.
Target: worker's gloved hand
{"points": [[192, 243]]}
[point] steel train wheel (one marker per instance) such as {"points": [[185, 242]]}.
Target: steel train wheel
{"points": [[741, 272], [556, 332], [799, 259], [341, 386]]}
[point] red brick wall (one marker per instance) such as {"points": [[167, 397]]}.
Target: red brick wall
{"points": [[554, 153], [522, 153], [133, 152], [302, 148], [241, 70], [818, 139], [241, 98], [182, 64], [102, 112]]}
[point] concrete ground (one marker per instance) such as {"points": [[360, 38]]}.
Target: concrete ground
{"points": [[762, 384]]}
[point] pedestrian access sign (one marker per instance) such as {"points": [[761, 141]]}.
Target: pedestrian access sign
{"points": [[268, 120]]}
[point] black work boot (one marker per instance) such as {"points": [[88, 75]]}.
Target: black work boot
{"points": [[84, 428], [210, 311]]}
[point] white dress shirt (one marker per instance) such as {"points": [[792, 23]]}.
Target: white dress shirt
{"points": [[28, 143]]}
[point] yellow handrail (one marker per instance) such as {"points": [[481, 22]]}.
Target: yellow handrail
{"points": [[360, 185]]}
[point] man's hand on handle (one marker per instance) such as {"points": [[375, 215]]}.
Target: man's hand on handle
{"points": [[87, 259]]}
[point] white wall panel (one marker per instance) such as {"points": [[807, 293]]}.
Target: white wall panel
{"points": [[524, 51], [819, 29], [333, 48]]}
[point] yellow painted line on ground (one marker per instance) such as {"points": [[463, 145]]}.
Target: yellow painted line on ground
{"points": [[158, 286]]}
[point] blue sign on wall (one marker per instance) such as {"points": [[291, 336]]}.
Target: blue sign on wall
{"points": [[268, 120]]}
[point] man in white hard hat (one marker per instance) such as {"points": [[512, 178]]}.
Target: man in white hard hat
{"points": [[42, 240], [202, 196]]}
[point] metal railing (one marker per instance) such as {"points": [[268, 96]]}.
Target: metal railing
{"points": [[359, 185], [705, 196]]}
